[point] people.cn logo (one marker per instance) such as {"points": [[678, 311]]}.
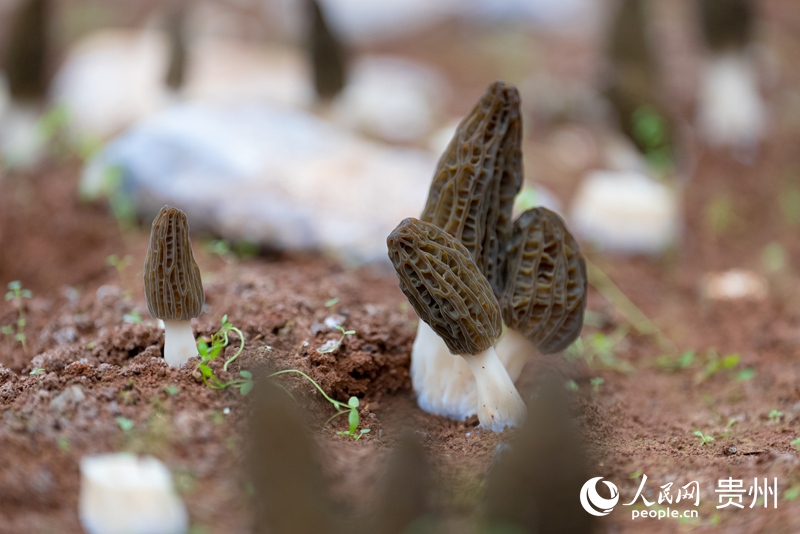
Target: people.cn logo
{"points": [[594, 503]]}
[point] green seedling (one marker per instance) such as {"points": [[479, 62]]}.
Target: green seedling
{"points": [[601, 347], [792, 493], [16, 293], [596, 382], [37, 371], [795, 443], [133, 317], [775, 416], [351, 408], [789, 198], [228, 252], [332, 303], [684, 361], [333, 344], [704, 439], [716, 364], [571, 385], [210, 351], [125, 424], [171, 390], [650, 130]]}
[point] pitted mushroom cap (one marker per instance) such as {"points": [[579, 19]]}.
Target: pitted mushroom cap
{"points": [[545, 295], [445, 286], [172, 286], [477, 177]]}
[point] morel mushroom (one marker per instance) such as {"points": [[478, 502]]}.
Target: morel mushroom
{"points": [[471, 198], [545, 294], [172, 286], [451, 295]]}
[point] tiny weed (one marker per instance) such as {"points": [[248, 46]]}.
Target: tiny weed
{"points": [[63, 443], [171, 390], [125, 424], [37, 371], [792, 493], [715, 364], [208, 352], [669, 363], [775, 416], [133, 317], [333, 344], [351, 408], [596, 382], [650, 129], [704, 439], [601, 347], [16, 293], [332, 304], [795, 443], [636, 474], [571, 385]]}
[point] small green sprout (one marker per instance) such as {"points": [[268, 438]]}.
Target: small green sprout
{"points": [[704, 439], [133, 317], [636, 474], [332, 303], [333, 344], [171, 390], [37, 371], [775, 416], [596, 382], [795, 443], [351, 408], [219, 340], [571, 385], [17, 293], [792, 493], [125, 424]]}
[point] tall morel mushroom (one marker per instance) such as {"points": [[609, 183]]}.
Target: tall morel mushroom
{"points": [[451, 295], [172, 286], [471, 198], [545, 293]]}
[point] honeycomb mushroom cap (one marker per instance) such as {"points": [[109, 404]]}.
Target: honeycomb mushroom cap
{"points": [[477, 177], [172, 286], [545, 295], [445, 287]]}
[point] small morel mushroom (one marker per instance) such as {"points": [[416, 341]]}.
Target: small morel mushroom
{"points": [[471, 198], [172, 286], [451, 295], [545, 294]]}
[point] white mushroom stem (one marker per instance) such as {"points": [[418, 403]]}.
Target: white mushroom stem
{"points": [[124, 494], [179, 342], [443, 381], [514, 350], [499, 403]]}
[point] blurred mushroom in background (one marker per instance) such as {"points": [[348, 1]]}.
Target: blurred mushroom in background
{"points": [[731, 112], [27, 76], [632, 205]]}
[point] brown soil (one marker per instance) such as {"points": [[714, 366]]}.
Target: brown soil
{"points": [[84, 366]]}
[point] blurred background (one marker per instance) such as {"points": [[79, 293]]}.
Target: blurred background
{"points": [[302, 125]]}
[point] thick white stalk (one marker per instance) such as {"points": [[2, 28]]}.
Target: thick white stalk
{"points": [[514, 350], [124, 494], [443, 381], [179, 342], [499, 403]]}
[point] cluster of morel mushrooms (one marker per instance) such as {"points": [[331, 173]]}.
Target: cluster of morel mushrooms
{"points": [[467, 269]]}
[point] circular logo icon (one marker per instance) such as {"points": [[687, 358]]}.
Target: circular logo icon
{"points": [[594, 503]]}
